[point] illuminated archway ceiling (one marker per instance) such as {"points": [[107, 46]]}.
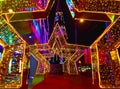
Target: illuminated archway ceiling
{"points": [[22, 27], [25, 30], [87, 9], [25, 9], [98, 10]]}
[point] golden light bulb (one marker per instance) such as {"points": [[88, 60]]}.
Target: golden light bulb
{"points": [[10, 10], [81, 20]]}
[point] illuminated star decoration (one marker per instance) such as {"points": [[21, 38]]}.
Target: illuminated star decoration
{"points": [[57, 44]]}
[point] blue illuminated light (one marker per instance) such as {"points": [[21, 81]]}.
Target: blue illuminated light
{"points": [[71, 7]]}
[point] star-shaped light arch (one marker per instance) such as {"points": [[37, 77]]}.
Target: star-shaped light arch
{"points": [[57, 43]]}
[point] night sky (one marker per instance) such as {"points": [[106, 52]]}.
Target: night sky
{"points": [[80, 33]]}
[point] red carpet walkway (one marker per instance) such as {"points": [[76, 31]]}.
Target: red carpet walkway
{"points": [[66, 82]]}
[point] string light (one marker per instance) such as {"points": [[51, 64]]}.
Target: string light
{"points": [[108, 74], [109, 69], [57, 43], [97, 5]]}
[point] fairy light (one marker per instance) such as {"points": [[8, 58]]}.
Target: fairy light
{"points": [[10, 65], [109, 69], [9, 39], [92, 5], [1, 22], [81, 20], [107, 43], [10, 10], [20, 66], [55, 43]]}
